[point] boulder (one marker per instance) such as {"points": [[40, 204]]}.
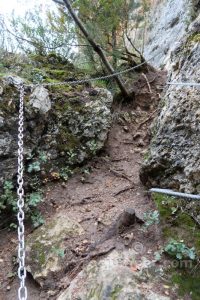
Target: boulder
{"points": [[65, 124], [114, 277], [45, 247]]}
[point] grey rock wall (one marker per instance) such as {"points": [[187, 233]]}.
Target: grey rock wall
{"points": [[168, 23], [174, 158]]}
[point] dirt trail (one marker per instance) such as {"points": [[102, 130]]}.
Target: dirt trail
{"points": [[113, 184]]}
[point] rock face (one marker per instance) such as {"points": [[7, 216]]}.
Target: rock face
{"points": [[45, 245], [174, 158], [113, 278], [168, 23], [63, 126]]}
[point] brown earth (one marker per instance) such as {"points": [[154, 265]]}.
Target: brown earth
{"points": [[96, 199]]}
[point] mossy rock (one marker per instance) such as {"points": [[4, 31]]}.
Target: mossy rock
{"points": [[45, 246], [180, 225], [111, 278]]}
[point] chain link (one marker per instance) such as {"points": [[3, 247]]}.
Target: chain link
{"points": [[22, 291], [85, 80]]}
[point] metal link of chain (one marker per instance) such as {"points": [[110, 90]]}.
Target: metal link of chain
{"points": [[85, 80], [22, 291], [81, 81]]}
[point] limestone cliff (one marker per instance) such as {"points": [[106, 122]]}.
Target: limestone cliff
{"points": [[168, 23], [174, 158]]}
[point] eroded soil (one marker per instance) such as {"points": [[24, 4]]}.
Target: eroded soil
{"points": [[96, 199]]}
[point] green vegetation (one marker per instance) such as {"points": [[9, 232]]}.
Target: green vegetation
{"points": [[35, 166], [147, 155], [37, 219], [8, 199], [176, 221], [65, 173], [59, 252], [151, 218], [93, 147], [8, 205], [188, 283], [179, 250]]}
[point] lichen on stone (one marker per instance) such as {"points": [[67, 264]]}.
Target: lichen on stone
{"points": [[42, 257]]}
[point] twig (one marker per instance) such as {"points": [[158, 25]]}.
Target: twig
{"points": [[146, 120], [124, 190], [145, 77], [118, 174], [141, 86], [128, 143], [84, 200], [119, 159]]}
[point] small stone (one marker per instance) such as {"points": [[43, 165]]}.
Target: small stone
{"points": [[51, 293], [166, 293], [1, 90], [85, 242], [8, 288], [13, 241], [137, 150], [126, 129], [88, 209]]}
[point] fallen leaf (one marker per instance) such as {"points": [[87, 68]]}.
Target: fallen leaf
{"points": [[134, 268]]}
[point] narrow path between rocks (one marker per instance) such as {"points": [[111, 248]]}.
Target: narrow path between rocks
{"points": [[96, 197]]}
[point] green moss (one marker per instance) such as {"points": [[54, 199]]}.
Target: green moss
{"points": [[8, 104], [176, 223], [115, 292], [194, 38], [2, 74], [62, 106], [50, 80], [147, 155], [38, 252], [164, 205], [58, 73], [66, 141], [58, 90], [95, 293], [188, 284]]}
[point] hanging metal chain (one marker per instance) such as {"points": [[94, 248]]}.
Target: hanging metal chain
{"points": [[22, 291], [86, 80]]}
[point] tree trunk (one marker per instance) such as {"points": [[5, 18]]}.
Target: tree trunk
{"points": [[114, 46], [97, 48]]}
